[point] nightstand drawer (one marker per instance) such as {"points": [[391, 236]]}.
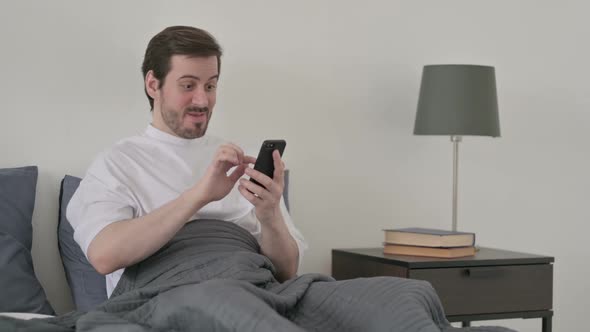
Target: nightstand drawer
{"points": [[491, 289]]}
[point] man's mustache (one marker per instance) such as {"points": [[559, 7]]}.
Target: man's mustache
{"points": [[197, 110]]}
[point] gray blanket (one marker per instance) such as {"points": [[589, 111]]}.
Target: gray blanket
{"points": [[212, 277]]}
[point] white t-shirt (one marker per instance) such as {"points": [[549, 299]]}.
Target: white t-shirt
{"points": [[140, 174]]}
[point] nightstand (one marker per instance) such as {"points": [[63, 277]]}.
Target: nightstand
{"points": [[493, 284]]}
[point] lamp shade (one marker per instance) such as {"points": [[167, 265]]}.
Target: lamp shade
{"points": [[458, 100]]}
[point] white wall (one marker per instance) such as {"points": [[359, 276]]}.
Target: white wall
{"points": [[339, 81]]}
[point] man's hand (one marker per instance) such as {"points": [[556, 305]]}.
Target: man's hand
{"points": [[216, 184], [265, 199]]}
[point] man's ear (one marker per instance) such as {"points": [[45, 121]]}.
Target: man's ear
{"points": [[152, 84]]}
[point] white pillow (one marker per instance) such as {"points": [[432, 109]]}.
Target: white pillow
{"points": [[23, 315]]}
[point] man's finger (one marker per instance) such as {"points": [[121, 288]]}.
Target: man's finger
{"points": [[254, 188], [239, 151], [225, 157], [229, 154], [262, 178], [279, 173], [249, 196], [237, 173], [249, 159]]}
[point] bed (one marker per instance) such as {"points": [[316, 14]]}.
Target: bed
{"points": [[210, 277]]}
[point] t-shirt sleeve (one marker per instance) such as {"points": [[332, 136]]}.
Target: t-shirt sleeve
{"points": [[99, 201]]}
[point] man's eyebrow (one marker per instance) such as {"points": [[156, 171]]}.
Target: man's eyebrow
{"points": [[196, 77]]}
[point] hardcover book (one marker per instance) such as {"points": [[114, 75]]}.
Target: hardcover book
{"points": [[394, 249], [426, 237]]}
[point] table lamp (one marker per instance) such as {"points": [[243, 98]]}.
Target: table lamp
{"points": [[457, 100]]}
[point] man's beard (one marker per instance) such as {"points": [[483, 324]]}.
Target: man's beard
{"points": [[174, 120]]}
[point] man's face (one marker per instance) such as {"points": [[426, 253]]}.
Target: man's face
{"points": [[183, 105]]}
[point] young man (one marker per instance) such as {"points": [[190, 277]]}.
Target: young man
{"points": [[137, 195]]}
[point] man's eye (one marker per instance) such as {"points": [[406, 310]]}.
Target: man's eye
{"points": [[211, 87], [187, 86]]}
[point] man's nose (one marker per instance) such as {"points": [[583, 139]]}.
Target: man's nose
{"points": [[200, 98]]}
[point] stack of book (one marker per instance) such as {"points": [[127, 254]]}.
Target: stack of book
{"points": [[429, 242]]}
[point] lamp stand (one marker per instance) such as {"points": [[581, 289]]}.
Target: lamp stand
{"points": [[455, 139]]}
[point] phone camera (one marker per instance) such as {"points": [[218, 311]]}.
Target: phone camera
{"points": [[270, 145]]}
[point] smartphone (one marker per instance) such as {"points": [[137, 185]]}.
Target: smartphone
{"points": [[264, 162]]}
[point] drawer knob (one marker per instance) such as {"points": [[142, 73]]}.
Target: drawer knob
{"points": [[482, 272]]}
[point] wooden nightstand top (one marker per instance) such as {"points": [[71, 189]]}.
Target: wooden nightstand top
{"points": [[483, 257]]}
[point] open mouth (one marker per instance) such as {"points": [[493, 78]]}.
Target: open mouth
{"points": [[197, 117]]}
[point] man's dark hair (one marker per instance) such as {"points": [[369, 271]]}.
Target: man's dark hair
{"points": [[177, 40]]}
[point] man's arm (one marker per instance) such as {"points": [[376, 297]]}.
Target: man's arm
{"points": [[277, 244], [276, 241], [124, 243]]}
